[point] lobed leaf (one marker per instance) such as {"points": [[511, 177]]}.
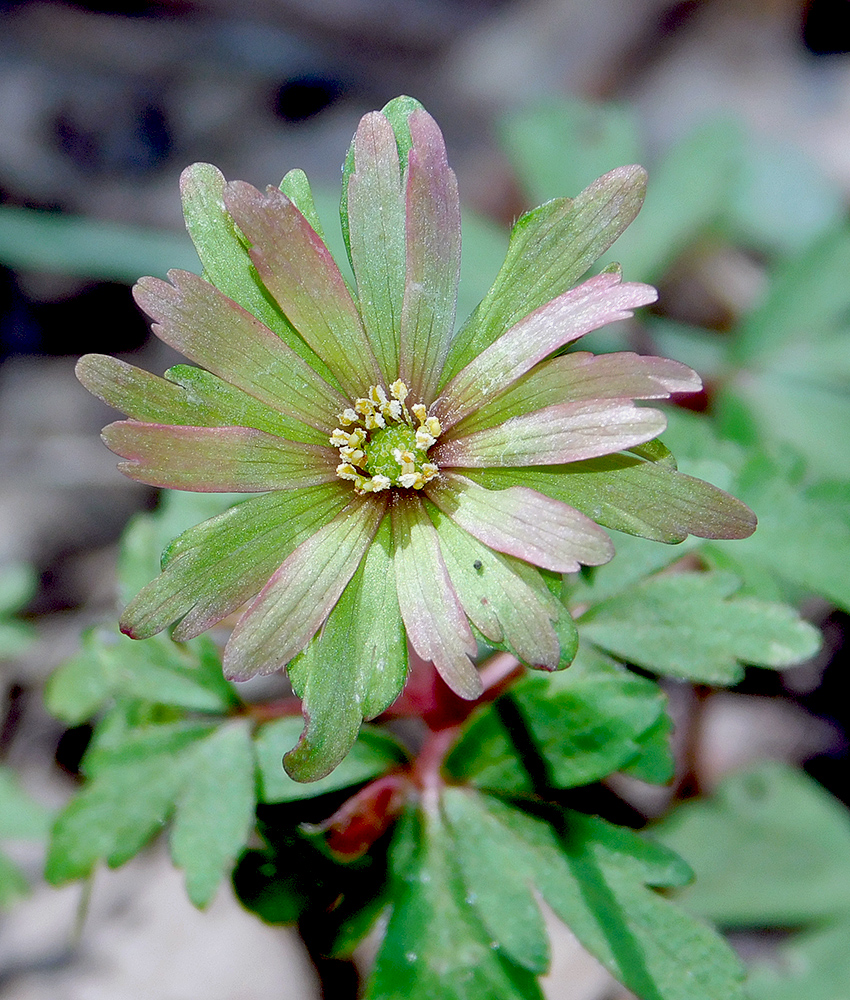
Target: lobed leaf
{"points": [[689, 625]]}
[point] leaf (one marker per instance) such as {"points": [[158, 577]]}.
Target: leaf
{"points": [[90, 248], [156, 670], [435, 946], [372, 754], [814, 965], [807, 298], [802, 536], [771, 847], [689, 625], [18, 584], [596, 878], [21, 817], [561, 146], [13, 883], [690, 190], [215, 809], [610, 712], [354, 668], [128, 797]]}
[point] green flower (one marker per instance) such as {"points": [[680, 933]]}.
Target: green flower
{"points": [[413, 481]]}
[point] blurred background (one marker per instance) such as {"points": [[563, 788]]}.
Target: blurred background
{"points": [[741, 112]]}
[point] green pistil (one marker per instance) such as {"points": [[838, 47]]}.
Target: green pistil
{"points": [[380, 460]]}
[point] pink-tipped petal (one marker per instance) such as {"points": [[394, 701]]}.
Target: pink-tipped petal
{"points": [[194, 318], [569, 432], [433, 259], [596, 302], [137, 393], [523, 523], [584, 376], [217, 459], [299, 271], [504, 598], [298, 598], [433, 617], [376, 236]]}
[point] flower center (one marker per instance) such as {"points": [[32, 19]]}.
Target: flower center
{"points": [[380, 447]]}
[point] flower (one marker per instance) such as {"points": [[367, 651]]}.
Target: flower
{"points": [[414, 483]]}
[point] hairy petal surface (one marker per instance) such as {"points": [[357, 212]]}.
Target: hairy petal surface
{"points": [[354, 668], [504, 598], [215, 567], [436, 625], [641, 498], [551, 247], [225, 258], [141, 395], [195, 319], [299, 596], [564, 433], [433, 259], [376, 209], [217, 459], [299, 271], [596, 302], [584, 376], [523, 523]]}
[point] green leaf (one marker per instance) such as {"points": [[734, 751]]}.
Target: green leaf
{"points": [[771, 847], [807, 299], [561, 146], [91, 248], [21, 817], [610, 711], [372, 754], [814, 965], [13, 883], [354, 668], [128, 797], [18, 584], [156, 670], [802, 536], [689, 625], [595, 877], [636, 559], [435, 945], [688, 195], [215, 809]]}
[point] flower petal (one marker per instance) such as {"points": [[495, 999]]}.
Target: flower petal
{"points": [[433, 259], [584, 376], [504, 598], [235, 408], [226, 261], [564, 433], [299, 271], [551, 248], [376, 235], [641, 498], [213, 568], [217, 459], [436, 625], [141, 395], [354, 668], [594, 303], [300, 595], [523, 523], [194, 318]]}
